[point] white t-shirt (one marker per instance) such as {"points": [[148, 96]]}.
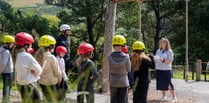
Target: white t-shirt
{"points": [[167, 55], [25, 62]]}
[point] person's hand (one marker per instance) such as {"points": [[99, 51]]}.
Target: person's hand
{"points": [[129, 90], [156, 58], [91, 77]]}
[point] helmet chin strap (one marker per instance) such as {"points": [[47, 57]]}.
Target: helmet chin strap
{"points": [[91, 54], [7, 45], [26, 47]]}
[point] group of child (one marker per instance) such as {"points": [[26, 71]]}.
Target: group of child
{"points": [[44, 68], [126, 73], [129, 72], [132, 73]]}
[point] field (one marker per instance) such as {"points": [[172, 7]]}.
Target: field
{"points": [[25, 3]]}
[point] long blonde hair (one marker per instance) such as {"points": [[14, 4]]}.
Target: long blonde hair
{"points": [[39, 55], [136, 59], [80, 59]]}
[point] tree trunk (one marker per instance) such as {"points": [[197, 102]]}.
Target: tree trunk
{"points": [[91, 34], [157, 27], [109, 32]]}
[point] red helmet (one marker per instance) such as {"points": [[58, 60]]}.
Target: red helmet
{"points": [[61, 49], [84, 48], [125, 49], [31, 50], [23, 38]]}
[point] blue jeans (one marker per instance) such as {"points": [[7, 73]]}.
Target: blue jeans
{"points": [[7, 85]]}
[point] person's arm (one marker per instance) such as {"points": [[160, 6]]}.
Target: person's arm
{"points": [[35, 67], [131, 78], [93, 71], [5, 56], [151, 62], [169, 59], [128, 64], [56, 68]]}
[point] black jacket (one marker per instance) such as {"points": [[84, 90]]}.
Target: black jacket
{"points": [[65, 41], [87, 72], [142, 75]]}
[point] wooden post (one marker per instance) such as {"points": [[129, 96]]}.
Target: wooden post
{"points": [[186, 56], [109, 32], [198, 66], [140, 21]]}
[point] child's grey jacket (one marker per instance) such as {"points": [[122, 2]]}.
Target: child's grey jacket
{"points": [[120, 65], [6, 62]]}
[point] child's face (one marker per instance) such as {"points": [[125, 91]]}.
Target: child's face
{"points": [[62, 54], [11, 45]]}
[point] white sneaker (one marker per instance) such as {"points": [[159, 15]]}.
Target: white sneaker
{"points": [[163, 99], [174, 99]]}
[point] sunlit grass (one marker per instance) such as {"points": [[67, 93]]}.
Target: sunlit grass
{"points": [[179, 74]]}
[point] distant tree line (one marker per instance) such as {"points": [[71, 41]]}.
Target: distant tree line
{"points": [[160, 18]]}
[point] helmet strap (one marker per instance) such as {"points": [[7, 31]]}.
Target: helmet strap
{"points": [[51, 47], [7, 45], [26, 46], [91, 54]]}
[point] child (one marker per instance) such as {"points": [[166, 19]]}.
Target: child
{"points": [[6, 66], [87, 73], [27, 69], [119, 64], [141, 64], [63, 86], [51, 74], [130, 74]]}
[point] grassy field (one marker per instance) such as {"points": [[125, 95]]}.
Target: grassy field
{"points": [[178, 74], [25, 3]]}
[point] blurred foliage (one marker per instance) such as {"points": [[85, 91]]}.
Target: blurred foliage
{"points": [[161, 18], [87, 20]]}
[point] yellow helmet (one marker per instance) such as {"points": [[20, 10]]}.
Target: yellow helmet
{"points": [[138, 45], [118, 40], [8, 39], [46, 40]]}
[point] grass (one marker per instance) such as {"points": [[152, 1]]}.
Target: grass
{"points": [[179, 74]]}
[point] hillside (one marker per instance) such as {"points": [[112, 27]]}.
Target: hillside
{"points": [[25, 3], [34, 6]]}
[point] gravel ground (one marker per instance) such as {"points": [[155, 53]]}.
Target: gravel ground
{"points": [[187, 92]]}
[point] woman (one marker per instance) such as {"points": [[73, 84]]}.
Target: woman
{"points": [[163, 64], [141, 64]]}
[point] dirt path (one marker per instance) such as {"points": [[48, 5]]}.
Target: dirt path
{"points": [[187, 92]]}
